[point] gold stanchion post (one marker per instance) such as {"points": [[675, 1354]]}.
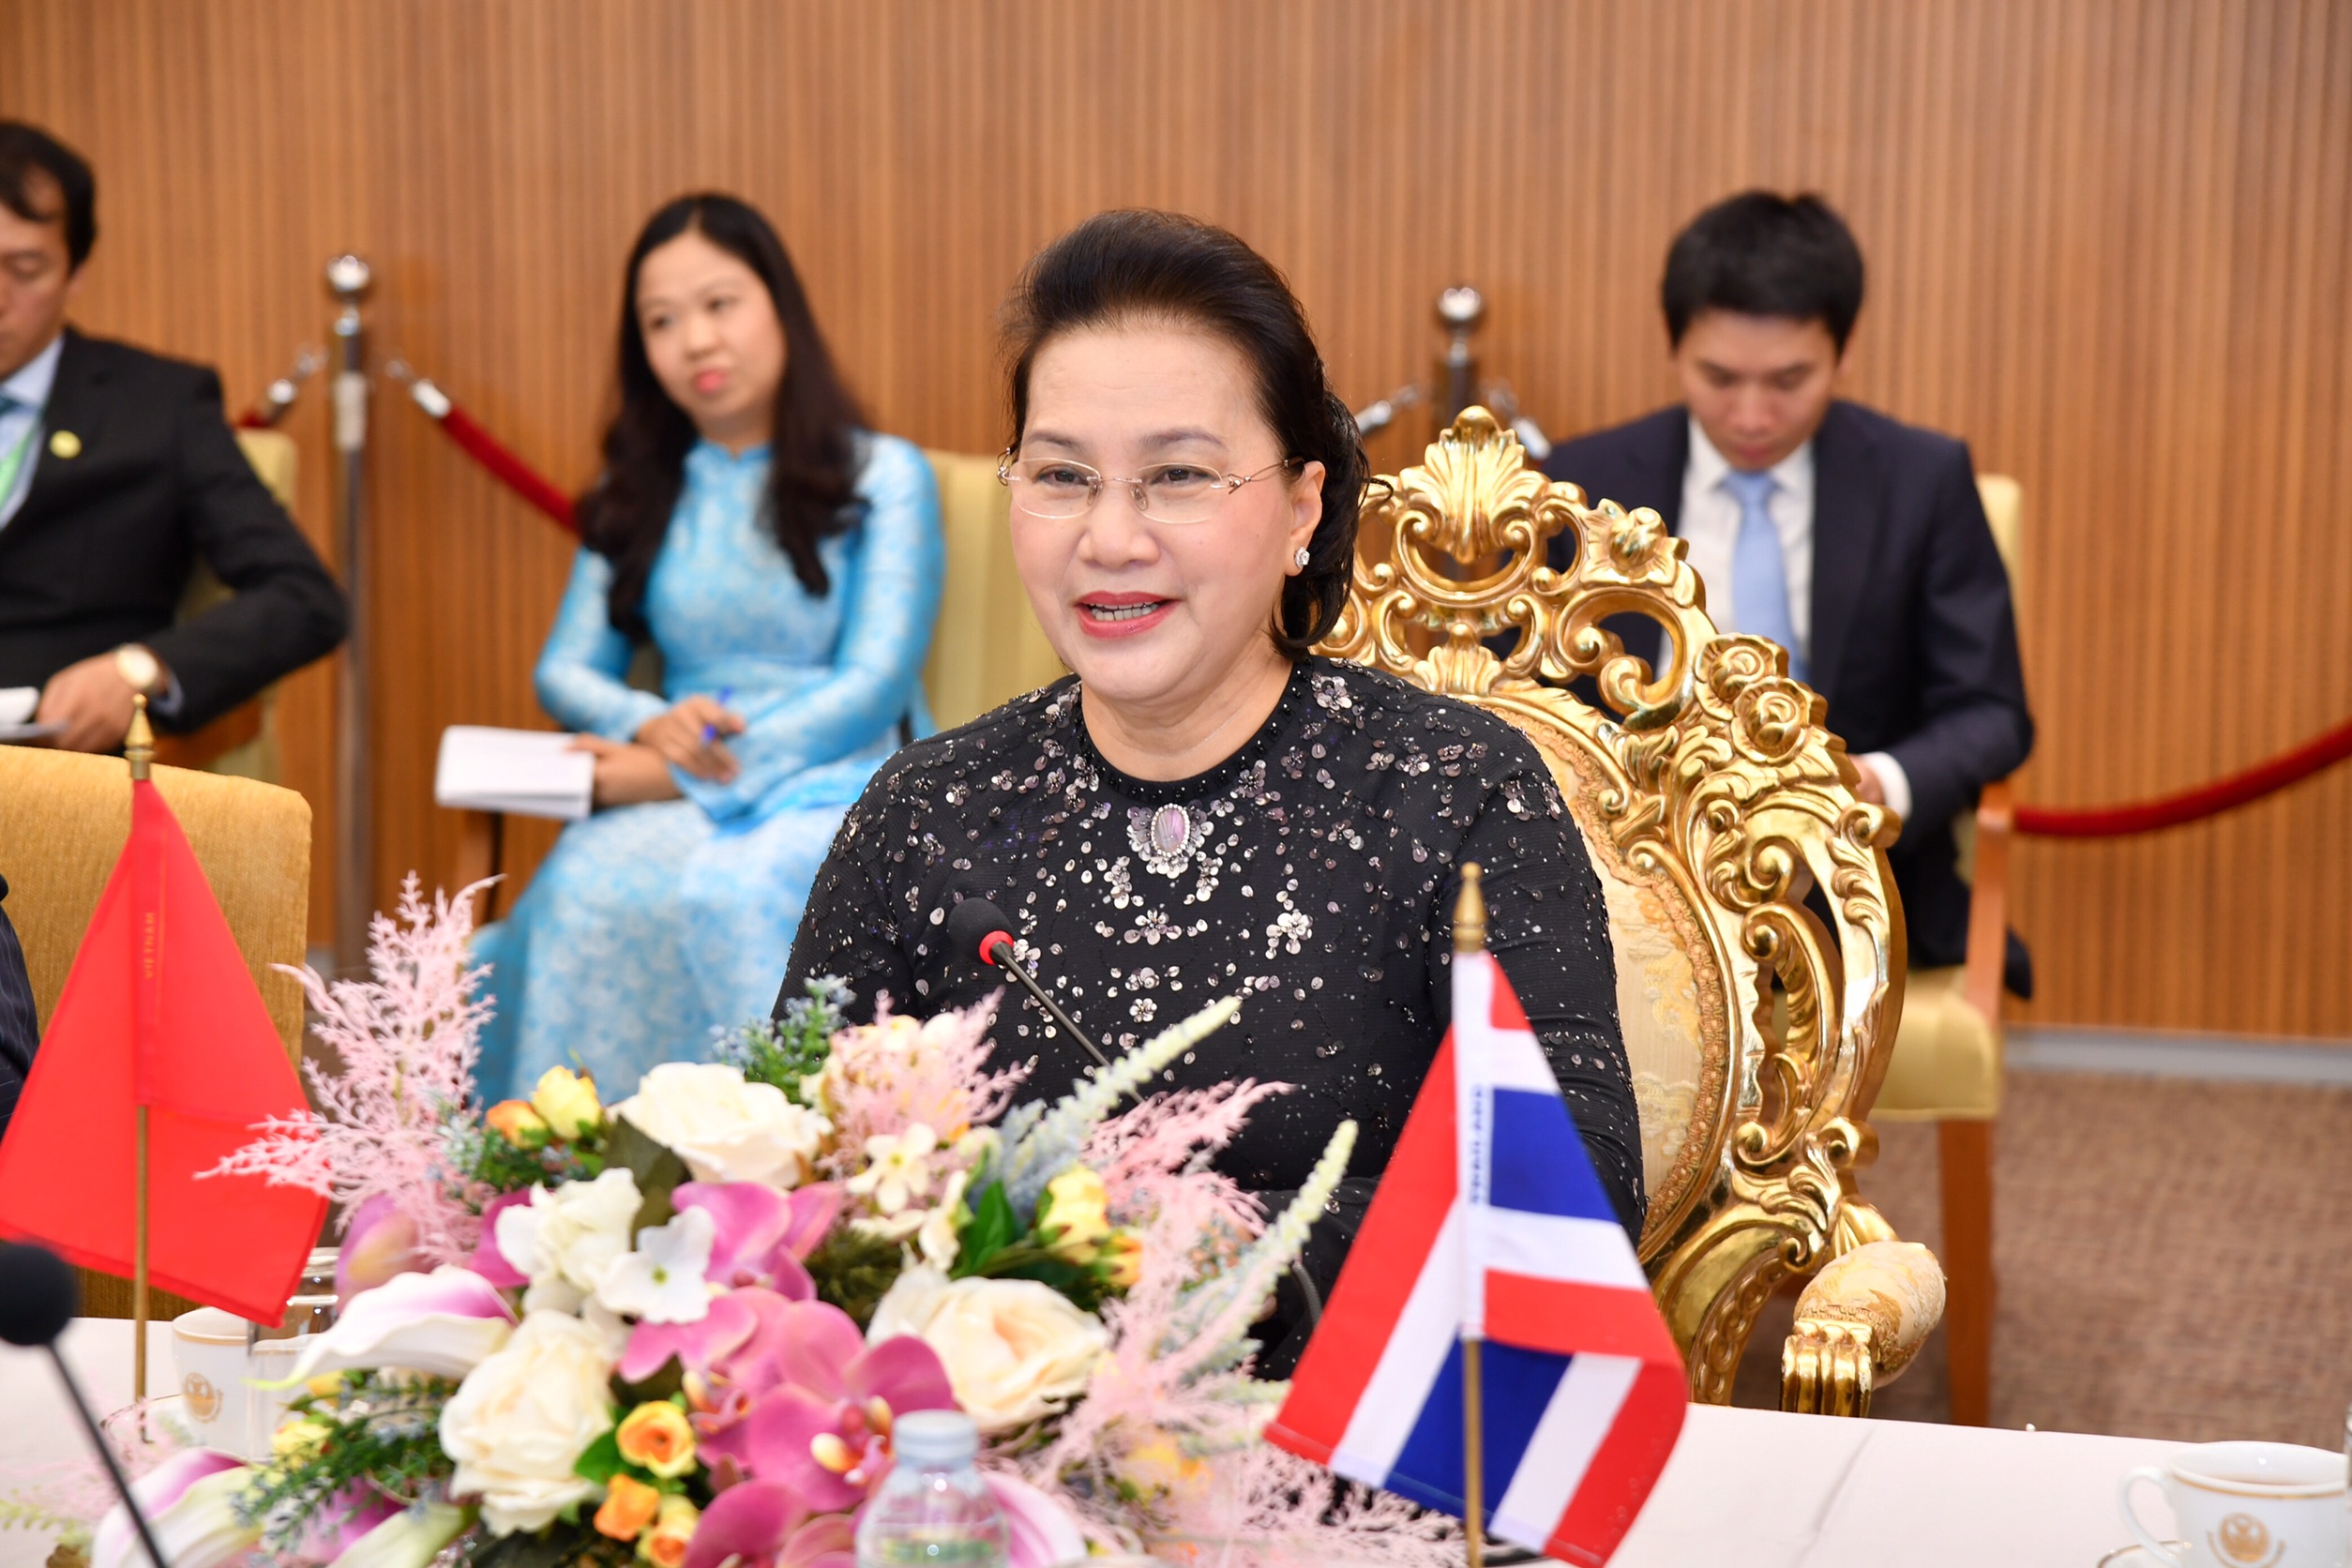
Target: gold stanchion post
{"points": [[138, 752], [1469, 935]]}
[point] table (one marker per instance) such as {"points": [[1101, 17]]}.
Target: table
{"points": [[1755, 1488]]}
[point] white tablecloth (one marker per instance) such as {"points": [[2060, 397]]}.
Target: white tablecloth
{"points": [[1755, 1488]]}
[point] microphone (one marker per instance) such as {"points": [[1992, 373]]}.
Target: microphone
{"points": [[980, 928], [38, 1297]]}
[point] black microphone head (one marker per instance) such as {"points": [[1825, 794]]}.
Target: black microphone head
{"points": [[39, 1294], [973, 926]]}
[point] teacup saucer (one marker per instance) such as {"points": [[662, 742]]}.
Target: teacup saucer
{"points": [[2138, 1556]]}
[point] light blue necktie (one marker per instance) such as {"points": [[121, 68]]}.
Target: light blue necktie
{"points": [[1759, 577], [14, 456]]}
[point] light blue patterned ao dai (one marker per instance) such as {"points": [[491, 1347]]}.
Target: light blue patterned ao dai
{"points": [[650, 925]]}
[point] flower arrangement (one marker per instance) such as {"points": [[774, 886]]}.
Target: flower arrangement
{"points": [[678, 1329]]}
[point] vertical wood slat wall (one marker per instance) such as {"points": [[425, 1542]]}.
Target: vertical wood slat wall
{"points": [[2107, 241]]}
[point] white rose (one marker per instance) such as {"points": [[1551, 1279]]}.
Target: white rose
{"points": [[566, 1237], [1014, 1349], [521, 1420], [724, 1128]]}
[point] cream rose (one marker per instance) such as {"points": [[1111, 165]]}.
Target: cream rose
{"points": [[724, 1128], [1014, 1349], [521, 1420], [565, 1239]]}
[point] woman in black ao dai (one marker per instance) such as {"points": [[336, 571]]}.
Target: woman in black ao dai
{"points": [[1204, 809]]}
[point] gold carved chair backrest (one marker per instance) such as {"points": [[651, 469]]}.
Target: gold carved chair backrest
{"points": [[1711, 799]]}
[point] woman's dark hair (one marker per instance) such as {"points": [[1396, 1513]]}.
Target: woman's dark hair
{"points": [[1764, 255], [1139, 265], [812, 467]]}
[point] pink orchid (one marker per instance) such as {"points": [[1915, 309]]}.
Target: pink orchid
{"points": [[804, 1401], [337, 1524], [488, 1260], [765, 1524], [698, 1345], [763, 1235], [379, 1241], [1039, 1532]]}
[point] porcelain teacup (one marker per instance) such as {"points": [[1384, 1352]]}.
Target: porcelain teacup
{"points": [[2246, 1505]]}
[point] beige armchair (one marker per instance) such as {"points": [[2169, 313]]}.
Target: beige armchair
{"points": [[63, 818], [242, 742], [1711, 800], [1947, 1061]]}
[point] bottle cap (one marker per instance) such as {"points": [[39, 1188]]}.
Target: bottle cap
{"points": [[935, 1439]]}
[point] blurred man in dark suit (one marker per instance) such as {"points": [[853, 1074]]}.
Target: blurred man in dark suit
{"points": [[1857, 543], [20, 1026], [117, 474]]}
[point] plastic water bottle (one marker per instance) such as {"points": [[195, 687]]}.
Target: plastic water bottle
{"points": [[934, 1511]]}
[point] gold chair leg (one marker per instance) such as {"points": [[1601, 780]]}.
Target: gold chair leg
{"points": [[1967, 1157], [1825, 1369]]}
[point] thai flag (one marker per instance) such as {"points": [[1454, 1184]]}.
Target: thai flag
{"points": [[1490, 1223]]}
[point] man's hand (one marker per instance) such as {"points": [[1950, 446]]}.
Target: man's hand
{"points": [[687, 736], [627, 774], [92, 700], [1868, 786]]}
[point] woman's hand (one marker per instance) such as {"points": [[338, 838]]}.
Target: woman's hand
{"points": [[627, 774], [687, 736]]}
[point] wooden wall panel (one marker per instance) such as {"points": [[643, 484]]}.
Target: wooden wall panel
{"points": [[2108, 244]]}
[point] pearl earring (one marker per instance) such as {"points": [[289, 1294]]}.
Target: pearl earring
{"points": [[1302, 558]]}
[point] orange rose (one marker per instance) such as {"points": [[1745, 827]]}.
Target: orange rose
{"points": [[665, 1544], [655, 1435], [629, 1506], [518, 1123]]}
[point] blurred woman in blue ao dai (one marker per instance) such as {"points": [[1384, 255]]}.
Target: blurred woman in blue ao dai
{"points": [[786, 564]]}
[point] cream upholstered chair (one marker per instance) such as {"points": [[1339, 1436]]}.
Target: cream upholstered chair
{"points": [[1947, 1061], [986, 647], [242, 742], [63, 818], [1711, 801]]}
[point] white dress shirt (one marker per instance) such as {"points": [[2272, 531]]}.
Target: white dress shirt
{"points": [[28, 393], [1710, 527]]}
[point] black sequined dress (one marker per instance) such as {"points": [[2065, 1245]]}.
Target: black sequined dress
{"points": [[1313, 870]]}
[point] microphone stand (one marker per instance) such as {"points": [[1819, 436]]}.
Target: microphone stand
{"points": [[1000, 955], [106, 1457]]}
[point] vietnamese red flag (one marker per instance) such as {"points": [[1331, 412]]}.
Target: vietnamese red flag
{"points": [[159, 1009]]}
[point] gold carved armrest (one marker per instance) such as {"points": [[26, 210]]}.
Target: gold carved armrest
{"points": [[1858, 1326]]}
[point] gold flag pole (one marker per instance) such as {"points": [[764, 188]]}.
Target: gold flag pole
{"points": [[1469, 935], [139, 750]]}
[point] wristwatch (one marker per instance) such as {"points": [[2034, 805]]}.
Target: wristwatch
{"points": [[140, 670]]}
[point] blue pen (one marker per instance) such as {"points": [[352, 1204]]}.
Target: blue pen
{"points": [[710, 731]]}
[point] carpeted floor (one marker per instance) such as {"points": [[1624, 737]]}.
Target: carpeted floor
{"points": [[2175, 1261]]}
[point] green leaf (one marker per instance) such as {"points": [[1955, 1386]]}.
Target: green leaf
{"points": [[656, 1167], [559, 1545], [1074, 1280], [993, 1227], [601, 1461], [854, 1271]]}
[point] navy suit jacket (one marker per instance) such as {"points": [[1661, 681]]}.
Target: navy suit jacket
{"points": [[20, 1026], [102, 547], [1914, 641]]}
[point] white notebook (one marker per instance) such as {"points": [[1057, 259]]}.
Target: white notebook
{"points": [[528, 773]]}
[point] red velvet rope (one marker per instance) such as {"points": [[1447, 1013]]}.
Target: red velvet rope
{"points": [[507, 468], [2210, 800], [2043, 821]]}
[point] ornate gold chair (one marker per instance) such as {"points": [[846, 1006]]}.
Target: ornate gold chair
{"points": [[1713, 802]]}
